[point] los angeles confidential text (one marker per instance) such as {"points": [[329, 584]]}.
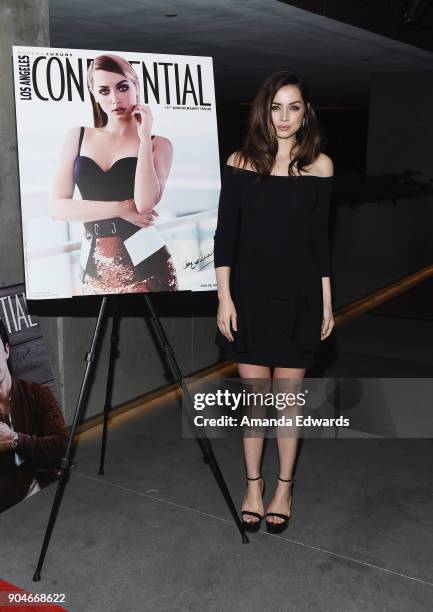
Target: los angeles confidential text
{"points": [[52, 78]]}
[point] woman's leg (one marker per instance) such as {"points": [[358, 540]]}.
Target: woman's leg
{"points": [[287, 380], [253, 447]]}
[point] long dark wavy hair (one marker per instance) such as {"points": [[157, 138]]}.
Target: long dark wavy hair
{"points": [[261, 145], [110, 63]]}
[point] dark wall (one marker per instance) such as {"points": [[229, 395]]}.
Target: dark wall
{"points": [[383, 17], [401, 126]]}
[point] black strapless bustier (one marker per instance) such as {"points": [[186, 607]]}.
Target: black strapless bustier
{"points": [[116, 184]]}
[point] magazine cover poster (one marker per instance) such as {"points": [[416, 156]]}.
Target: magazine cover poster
{"points": [[119, 171]]}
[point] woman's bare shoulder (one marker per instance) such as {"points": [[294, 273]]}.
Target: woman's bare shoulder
{"points": [[233, 159], [237, 160], [72, 138], [74, 132], [322, 166]]}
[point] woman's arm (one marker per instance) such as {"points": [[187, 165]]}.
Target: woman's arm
{"points": [[62, 206], [153, 168], [321, 238], [225, 238], [153, 164], [228, 217]]}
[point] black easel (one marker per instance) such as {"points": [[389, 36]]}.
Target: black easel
{"points": [[114, 343], [202, 440]]}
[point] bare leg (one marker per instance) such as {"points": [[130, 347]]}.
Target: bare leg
{"points": [[287, 447], [253, 448]]}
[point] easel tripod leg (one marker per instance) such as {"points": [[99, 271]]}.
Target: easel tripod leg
{"points": [[209, 458], [66, 462], [203, 441], [114, 342]]}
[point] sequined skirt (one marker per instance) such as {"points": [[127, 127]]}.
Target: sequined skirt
{"points": [[110, 270]]}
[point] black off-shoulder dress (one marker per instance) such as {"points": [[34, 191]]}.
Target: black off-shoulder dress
{"points": [[273, 233]]}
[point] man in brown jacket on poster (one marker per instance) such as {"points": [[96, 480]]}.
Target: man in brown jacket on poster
{"points": [[33, 433]]}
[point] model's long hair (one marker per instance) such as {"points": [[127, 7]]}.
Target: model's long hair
{"points": [[261, 145], [110, 63]]}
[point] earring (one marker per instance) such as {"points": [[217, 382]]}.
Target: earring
{"points": [[303, 121]]}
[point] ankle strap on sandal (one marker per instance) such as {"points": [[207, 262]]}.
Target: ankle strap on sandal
{"points": [[257, 478], [283, 480]]}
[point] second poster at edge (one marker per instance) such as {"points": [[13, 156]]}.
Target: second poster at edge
{"points": [[80, 232]]}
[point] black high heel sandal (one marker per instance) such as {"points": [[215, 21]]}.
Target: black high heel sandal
{"points": [[253, 526], [279, 527]]}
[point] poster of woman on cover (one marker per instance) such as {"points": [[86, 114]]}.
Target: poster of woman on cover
{"points": [[119, 171]]}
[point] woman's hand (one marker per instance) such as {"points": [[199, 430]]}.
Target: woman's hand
{"points": [[144, 120], [327, 323], [226, 316], [129, 213]]}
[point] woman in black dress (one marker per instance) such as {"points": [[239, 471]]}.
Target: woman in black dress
{"points": [[271, 256]]}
